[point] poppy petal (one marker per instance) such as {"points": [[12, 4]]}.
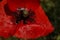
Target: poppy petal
{"points": [[13, 4], [41, 18], [7, 28], [29, 31]]}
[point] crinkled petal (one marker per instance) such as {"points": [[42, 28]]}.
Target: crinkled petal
{"points": [[7, 28]]}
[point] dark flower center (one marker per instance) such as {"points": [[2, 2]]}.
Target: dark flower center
{"points": [[21, 14], [24, 15]]}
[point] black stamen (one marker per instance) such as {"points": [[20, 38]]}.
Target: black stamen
{"points": [[21, 17], [24, 15]]}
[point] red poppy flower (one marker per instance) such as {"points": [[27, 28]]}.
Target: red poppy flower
{"points": [[38, 27]]}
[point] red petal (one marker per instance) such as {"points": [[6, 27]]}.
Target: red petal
{"points": [[13, 4], [42, 19], [32, 31], [29, 31], [7, 28], [3, 3]]}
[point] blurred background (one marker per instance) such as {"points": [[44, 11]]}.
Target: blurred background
{"points": [[52, 9]]}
